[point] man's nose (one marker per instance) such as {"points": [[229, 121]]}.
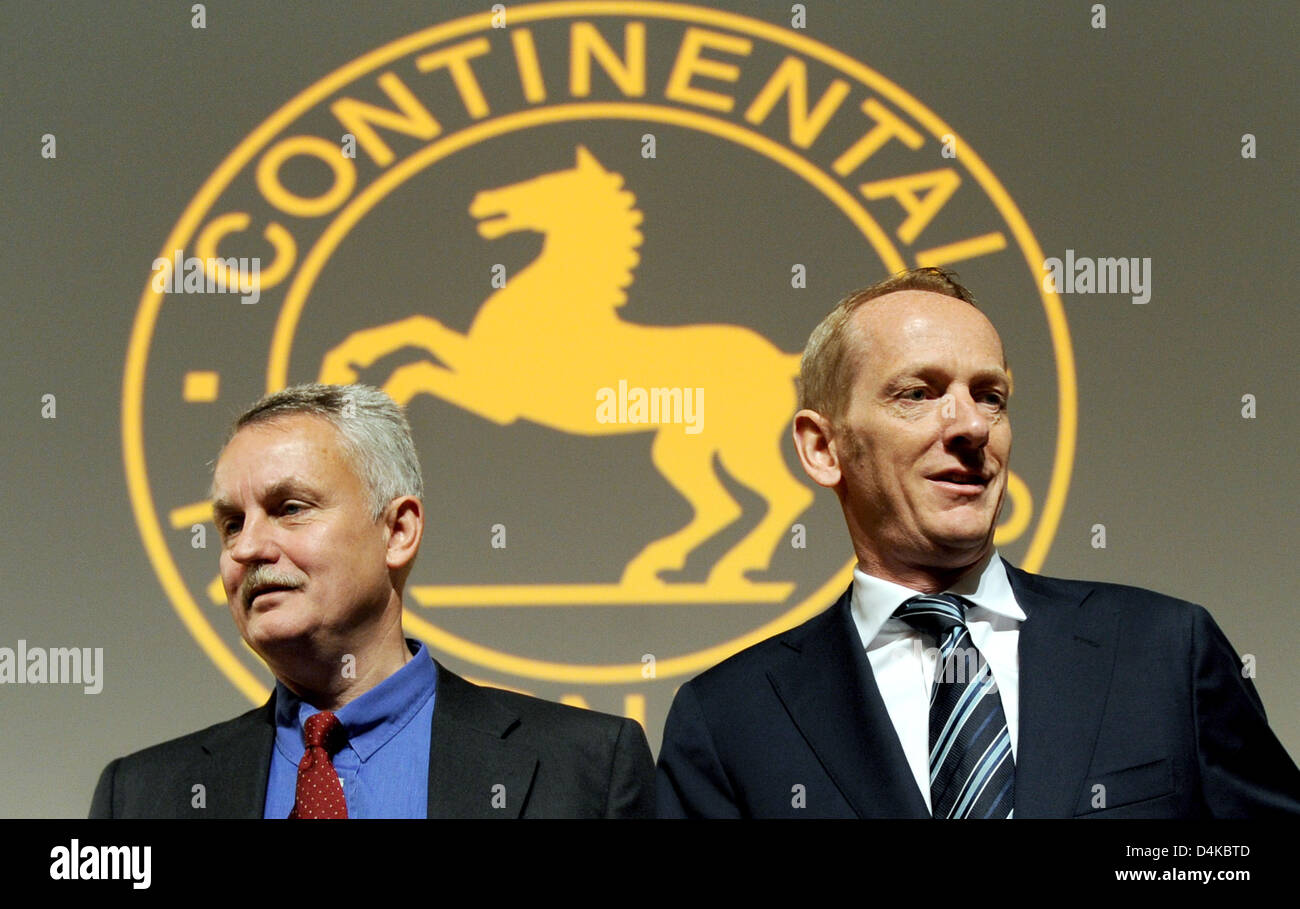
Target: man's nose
{"points": [[964, 419], [255, 542]]}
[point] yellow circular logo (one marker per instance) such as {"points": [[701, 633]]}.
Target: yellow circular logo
{"points": [[584, 244]]}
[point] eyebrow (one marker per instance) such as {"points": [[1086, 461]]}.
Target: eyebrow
{"points": [[929, 369], [284, 489]]}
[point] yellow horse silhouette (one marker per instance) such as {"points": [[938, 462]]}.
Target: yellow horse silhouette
{"points": [[542, 347]]}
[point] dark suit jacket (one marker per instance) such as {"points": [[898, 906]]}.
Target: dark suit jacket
{"points": [[554, 761], [1120, 688]]}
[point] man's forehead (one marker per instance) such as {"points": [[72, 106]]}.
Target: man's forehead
{"points": [[313, 437], [892, 322], [278, 429]]}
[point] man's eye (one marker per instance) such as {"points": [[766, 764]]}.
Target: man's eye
{"points": [[915, 394], [228, 527]]}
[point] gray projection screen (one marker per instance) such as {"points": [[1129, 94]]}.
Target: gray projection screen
{"points": [[692, 197]]}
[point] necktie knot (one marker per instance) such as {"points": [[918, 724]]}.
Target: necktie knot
{"points": [[323, 730], [936, 614], [319, 794]]}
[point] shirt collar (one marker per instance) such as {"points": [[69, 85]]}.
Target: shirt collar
{"points": [[986, 586], [373, 719]]}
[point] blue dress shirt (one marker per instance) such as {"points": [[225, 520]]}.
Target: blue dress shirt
{"points": [[384, 767]]}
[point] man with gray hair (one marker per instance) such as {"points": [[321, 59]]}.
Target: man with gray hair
{"points": [[317, 499]]}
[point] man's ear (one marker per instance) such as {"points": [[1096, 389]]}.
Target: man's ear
{"points": [[404, 518], [814, 441]]}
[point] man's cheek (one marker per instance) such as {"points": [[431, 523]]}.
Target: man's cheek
{"points": [[230, 580]]}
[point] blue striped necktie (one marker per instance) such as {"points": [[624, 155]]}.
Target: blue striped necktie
{"points": [[972, 772]]}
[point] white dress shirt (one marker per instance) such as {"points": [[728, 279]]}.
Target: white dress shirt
{"points": [[903, 659]]}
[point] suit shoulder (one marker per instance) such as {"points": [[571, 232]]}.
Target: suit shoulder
{"points": [[1124, 596], [1138, 607], [590, 764], [524, 717], [172, 749], [552, 714], [751, 665], [158, 781]]}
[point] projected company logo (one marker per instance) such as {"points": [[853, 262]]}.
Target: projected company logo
{"points": [[584, 244]]}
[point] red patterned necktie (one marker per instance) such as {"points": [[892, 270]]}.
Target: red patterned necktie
{"points": [[319, 793]]}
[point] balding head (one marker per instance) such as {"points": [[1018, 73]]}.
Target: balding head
{"points": [[918, 447]]}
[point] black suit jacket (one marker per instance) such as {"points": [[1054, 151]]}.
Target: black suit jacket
{"points": [[554, 761], [1120, 688]]}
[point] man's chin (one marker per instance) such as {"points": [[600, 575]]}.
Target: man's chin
{"points": [[962, 547], [275, 640]]}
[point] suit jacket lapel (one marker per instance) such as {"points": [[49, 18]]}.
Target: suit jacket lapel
{"points": [[236, 764], [470, 757], [1067, 656], [830, 692]]}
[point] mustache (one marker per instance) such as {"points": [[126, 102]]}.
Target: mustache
{"points": [[266, 576]]}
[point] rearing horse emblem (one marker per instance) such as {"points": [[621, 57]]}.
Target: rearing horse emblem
{"points": [[542, 347]]}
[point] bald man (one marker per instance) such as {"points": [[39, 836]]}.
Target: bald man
{"points": [[945, 682]]}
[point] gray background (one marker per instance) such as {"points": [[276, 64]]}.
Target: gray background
{"points": [[1123, 141]]}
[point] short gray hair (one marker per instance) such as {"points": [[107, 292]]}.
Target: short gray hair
{"points": [[374, 429]]}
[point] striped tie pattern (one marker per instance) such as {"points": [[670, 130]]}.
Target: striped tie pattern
{"points": [[972, 772]]}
